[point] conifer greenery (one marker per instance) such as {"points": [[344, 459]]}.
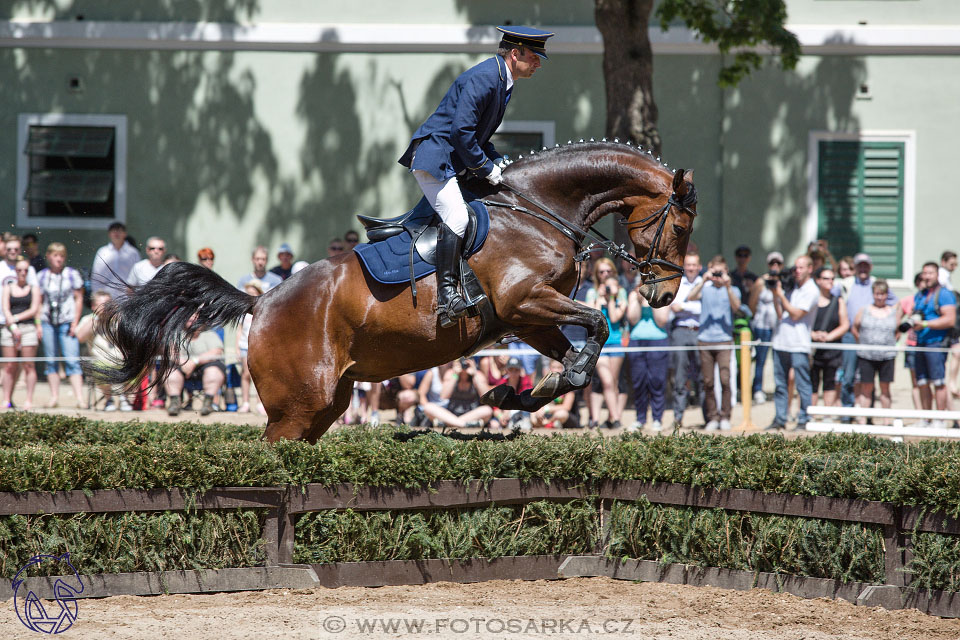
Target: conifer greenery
{"points": [[39, 452]]}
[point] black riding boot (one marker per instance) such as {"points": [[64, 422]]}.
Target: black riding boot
{"points": [[450, 304]]}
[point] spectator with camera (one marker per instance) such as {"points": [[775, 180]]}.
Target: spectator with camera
{"points": [[62, 288], [764, 319], [829, 326], [611, 300], [934, 316], [795, 299], [718, 301], [876, 324]]}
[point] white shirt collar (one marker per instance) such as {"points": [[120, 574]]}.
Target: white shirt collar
{"points": [[509, 76]]}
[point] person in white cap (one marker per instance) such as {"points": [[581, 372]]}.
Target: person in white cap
{"points": [[285, 256], [860, 295]]}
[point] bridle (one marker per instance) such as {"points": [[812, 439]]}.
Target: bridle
{"points": [[599, 241], [683, 203]]}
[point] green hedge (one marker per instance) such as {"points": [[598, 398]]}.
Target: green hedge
{"points": [[21, 428], [149, 455], [537, 528], [122, 542], [57, 453], [847, 551]]}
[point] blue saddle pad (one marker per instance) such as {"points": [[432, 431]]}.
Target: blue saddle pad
{"points": [[388, 261]]}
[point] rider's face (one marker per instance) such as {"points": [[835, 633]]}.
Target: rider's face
{"points": [[526, 63]]}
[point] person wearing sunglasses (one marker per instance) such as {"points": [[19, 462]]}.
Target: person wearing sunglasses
{"points": [[205, 257], [335, 247], [143, 271], [829, 326], [352, 238]]}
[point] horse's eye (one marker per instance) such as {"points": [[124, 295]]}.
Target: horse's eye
{"points": [[679, 230]]}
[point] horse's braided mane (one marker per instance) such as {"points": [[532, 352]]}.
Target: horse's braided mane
{"points": [[577, 147]]}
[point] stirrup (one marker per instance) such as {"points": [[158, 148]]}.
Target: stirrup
{"points": [[448, 319]]}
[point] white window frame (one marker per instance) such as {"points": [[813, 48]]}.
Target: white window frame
{"points": [[909, 140], [546, 128], [119, 124]]}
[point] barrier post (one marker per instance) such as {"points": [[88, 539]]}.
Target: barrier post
{"points": [[746, 370]]}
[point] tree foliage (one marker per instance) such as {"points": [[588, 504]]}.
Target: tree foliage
{"points": [[738, 26], [745, 31]]}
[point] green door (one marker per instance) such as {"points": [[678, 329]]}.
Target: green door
{"points": [[860, 201]]}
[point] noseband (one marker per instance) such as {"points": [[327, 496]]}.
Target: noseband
{"points": [[683, 203]]}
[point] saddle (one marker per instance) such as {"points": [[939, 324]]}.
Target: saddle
{"points": [[422, 227], [415, 233]]}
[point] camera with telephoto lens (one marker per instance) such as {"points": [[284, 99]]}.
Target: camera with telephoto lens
{"points": [[787, 279], [910, 322]]}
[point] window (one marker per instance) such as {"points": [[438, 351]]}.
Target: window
{"points": [[861, 200], [71, 170], [518, 137]]}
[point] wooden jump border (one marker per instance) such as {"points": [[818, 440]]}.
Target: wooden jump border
{"points": [[284, 503]]}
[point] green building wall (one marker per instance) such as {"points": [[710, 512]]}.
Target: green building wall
{"points": [[231, 149]]}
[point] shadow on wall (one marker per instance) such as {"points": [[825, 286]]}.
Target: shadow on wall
{"points": [[341, 164], [158, 10], [192, 131], [768, 121]]}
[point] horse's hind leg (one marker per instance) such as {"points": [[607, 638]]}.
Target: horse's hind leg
{"points": [[304, 411], [323, 418]]}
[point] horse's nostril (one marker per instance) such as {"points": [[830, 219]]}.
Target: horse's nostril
{"points": [[667, 298]]}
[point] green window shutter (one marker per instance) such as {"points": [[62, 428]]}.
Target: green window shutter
{"points": [[860, 201]]}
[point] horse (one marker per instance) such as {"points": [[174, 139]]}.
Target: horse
{"points": [[332, 324]]}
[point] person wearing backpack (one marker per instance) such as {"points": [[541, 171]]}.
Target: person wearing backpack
{"points": [[934, 316]]}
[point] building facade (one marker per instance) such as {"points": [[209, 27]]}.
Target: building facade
{"points": [[252, 122]]}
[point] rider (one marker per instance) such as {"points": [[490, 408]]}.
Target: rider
{"points": [[456, 140]]}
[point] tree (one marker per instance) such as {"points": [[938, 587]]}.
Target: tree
{"points": [[738, 26]]}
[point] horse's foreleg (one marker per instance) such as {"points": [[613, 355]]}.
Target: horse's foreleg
{"points": [[548, 306]]}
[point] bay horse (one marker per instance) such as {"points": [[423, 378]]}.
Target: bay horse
{"points": [[331, 324]]}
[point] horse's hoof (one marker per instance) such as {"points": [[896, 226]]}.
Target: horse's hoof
{"points": [[548, 387], [498, 395]]}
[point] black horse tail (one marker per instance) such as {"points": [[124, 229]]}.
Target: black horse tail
{"points": [[154, 323]]}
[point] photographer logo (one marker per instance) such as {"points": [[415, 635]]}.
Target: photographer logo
{"points": [[48, 616]]}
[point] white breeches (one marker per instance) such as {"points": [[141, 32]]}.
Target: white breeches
{"points": [[446, 199]]}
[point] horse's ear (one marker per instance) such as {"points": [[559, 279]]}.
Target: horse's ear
{"points": [[677, 179], [689, 176]]}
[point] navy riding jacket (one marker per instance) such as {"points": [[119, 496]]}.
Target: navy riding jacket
{"points": [[457, 136]]}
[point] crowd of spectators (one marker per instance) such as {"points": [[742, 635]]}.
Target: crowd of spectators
{"points": [[797, 313]]}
